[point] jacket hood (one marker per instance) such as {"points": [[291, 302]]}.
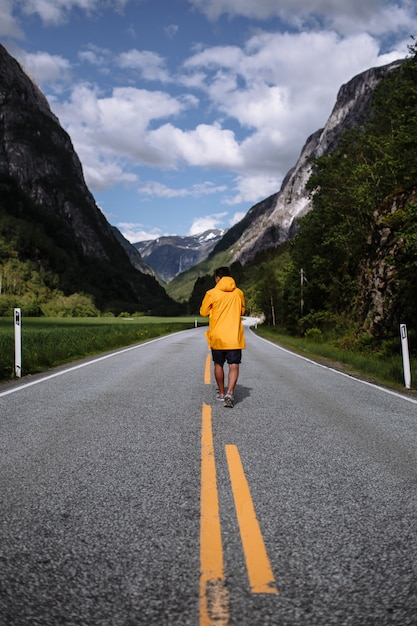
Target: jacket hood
{"points": [[227, 283]]}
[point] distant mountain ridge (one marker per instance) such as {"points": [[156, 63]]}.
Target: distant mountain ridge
{"points": [[173, 254]]}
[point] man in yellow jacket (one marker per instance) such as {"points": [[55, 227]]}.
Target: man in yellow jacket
{"points": [[225, 304]]}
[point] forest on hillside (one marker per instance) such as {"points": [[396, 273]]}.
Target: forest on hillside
{"points": [[352, 267], [44, 271]]}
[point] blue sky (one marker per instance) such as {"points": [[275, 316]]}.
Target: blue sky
{"points": [[185, 113]]}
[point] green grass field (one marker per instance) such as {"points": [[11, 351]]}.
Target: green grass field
{"points": [[48, 342]]}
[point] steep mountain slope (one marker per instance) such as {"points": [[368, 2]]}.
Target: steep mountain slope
{"points": [[169, 256], [44, 193], [274, 220]]}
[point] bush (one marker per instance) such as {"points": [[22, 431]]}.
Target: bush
{"points": [[313, 334], [322, 320], [75, 305]]}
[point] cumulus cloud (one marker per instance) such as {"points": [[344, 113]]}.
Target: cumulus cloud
{"points": [[102, 174], [57, 11], [138, 232], [269, 95], [207, 222], [156, 189], [236, 217], [115, 128], [100, 57], [244, 110], [9, 26], [205, 146], [247, 188], [373, 16], [149, 64], [47, 68], [262, 84]]}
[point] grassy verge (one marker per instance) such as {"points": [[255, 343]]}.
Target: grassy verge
{"points": [[48, 342], [382, 369]]}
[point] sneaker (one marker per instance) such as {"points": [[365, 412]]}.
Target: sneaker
{"points": [[229, 400], [220, 396]]}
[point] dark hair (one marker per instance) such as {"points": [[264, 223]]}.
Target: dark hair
{"points": [[222, 271]]}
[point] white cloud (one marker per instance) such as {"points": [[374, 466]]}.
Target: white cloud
{"points": [[156, 189], [57, 11], [373, 16], [95, 55], [271, 92], [236, 217], [138, 232], [115, 128], [207, 222], [9, 26], [205, 146], [279, 88], [150, 64], [103, 174], [263, 83], [172, 30], [258, 102], [251, 189], [47, 68]]}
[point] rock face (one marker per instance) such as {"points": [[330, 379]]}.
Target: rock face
{"points": [[273, 220], [38, 153], [169, 256], [379, 301], [38, 158]]}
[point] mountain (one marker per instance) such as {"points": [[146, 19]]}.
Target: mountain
{"points": [[273, 221], [133, 253], [49, 221], [169, 256]]}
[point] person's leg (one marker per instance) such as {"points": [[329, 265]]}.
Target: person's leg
{"points": [[219, 376], [233, 375]]}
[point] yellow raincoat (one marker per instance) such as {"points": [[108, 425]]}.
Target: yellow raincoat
{"points": [[225, 304]]}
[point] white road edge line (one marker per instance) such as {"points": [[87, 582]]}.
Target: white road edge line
{"points": [[326, 367], [86, 364]]}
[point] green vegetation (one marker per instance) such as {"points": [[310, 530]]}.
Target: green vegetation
{"points": [[382, 367], [42, 261], [342, 286], [182, 285], [353, 264], [47, 343], [362, 231]]}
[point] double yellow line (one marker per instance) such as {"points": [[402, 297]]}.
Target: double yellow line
{"points": [[214, 598]]}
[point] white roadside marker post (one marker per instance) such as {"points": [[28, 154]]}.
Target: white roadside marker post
{"points": [[406, 357], [18, 342]]}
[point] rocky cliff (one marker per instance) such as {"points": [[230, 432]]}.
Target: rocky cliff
{"points": [[274, 220], [38, 159]]}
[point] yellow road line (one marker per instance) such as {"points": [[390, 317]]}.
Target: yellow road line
{"points": [[207, 370], [261, 578], [214, 599]]}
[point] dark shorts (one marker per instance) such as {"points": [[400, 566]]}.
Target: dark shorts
{"points": [[233, 357]]}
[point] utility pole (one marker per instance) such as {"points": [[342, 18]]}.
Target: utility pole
{"points": [[272, 311], [301, 292]]}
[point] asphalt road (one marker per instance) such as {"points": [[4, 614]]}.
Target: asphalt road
{"points": [[107, 475]]}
